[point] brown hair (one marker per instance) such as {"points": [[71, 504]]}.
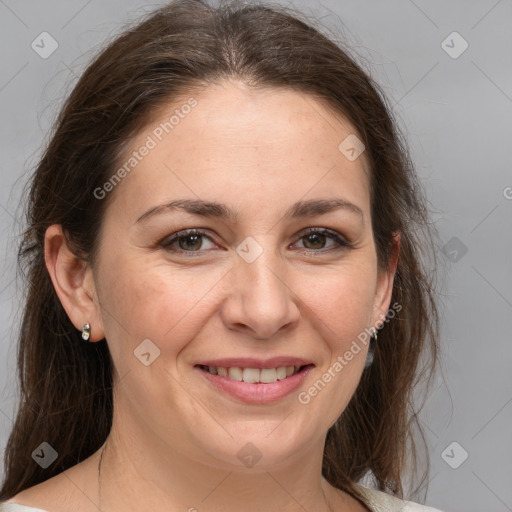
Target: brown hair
{"points": [[65, 384]]}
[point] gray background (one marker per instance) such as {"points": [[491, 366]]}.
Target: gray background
{"points": [[457, 114]]}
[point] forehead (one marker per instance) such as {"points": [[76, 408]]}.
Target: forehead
{"points": [[229, 141]]}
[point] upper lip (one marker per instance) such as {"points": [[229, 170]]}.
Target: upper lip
{"points": [[251, 362]]}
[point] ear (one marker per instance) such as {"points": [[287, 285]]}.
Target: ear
{"points": [[384, 289], [73, 282]]}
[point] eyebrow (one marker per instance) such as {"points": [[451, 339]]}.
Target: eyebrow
{"points": [[213, 209]]}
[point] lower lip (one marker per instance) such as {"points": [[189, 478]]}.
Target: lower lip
{"points": [[257, 393]]}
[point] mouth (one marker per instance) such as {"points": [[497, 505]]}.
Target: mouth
{"points": [[255, 375], [251, 385]]}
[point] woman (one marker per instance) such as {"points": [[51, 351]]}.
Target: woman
{"points": [[226, 304]]}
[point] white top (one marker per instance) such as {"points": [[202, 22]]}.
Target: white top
{"points": [[14, 507], [376, 501]]}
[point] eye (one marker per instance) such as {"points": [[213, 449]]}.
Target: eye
{"points": [[314, 239], [188, 241]]}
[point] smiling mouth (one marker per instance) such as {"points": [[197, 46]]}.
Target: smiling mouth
{"points": [[255, 375]]}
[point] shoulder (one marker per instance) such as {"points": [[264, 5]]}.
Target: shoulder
{"points": [[43, 497], [6, 506], [378, 501], [61, 493], [53, 495]]}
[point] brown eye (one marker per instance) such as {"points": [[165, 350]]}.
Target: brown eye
{"points": [[193, 242], [186, 241], [315, 239]]}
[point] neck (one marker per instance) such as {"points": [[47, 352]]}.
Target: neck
{"points": [[150, 476]]}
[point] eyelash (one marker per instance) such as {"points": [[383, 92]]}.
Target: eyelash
{"points": [[167, 242]]}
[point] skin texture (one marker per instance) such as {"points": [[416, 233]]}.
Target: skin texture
{"points": [[175, 439]]}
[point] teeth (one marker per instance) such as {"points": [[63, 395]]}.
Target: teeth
{"points": [[255, 375], [235, 374], [268, 375], [250, 375], [281, 373]]}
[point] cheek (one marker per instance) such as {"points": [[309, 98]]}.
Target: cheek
{"points": [[146, 301], [343, 301], [343, 305]]}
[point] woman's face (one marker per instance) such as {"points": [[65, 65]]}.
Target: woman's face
{"points": [[252, 285]]}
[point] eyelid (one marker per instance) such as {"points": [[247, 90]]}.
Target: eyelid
{"points": [[168, 240], [340, 240], [343, 241]]}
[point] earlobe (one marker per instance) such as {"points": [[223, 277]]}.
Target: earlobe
{"points": [[73, 283]]}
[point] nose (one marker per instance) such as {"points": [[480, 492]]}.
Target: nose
{"points": [[260, 302]]}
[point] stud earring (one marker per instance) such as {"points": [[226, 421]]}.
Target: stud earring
{"points": [[86, 332]]}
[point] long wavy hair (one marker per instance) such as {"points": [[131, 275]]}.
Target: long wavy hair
{"points": [[65, 385]]}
